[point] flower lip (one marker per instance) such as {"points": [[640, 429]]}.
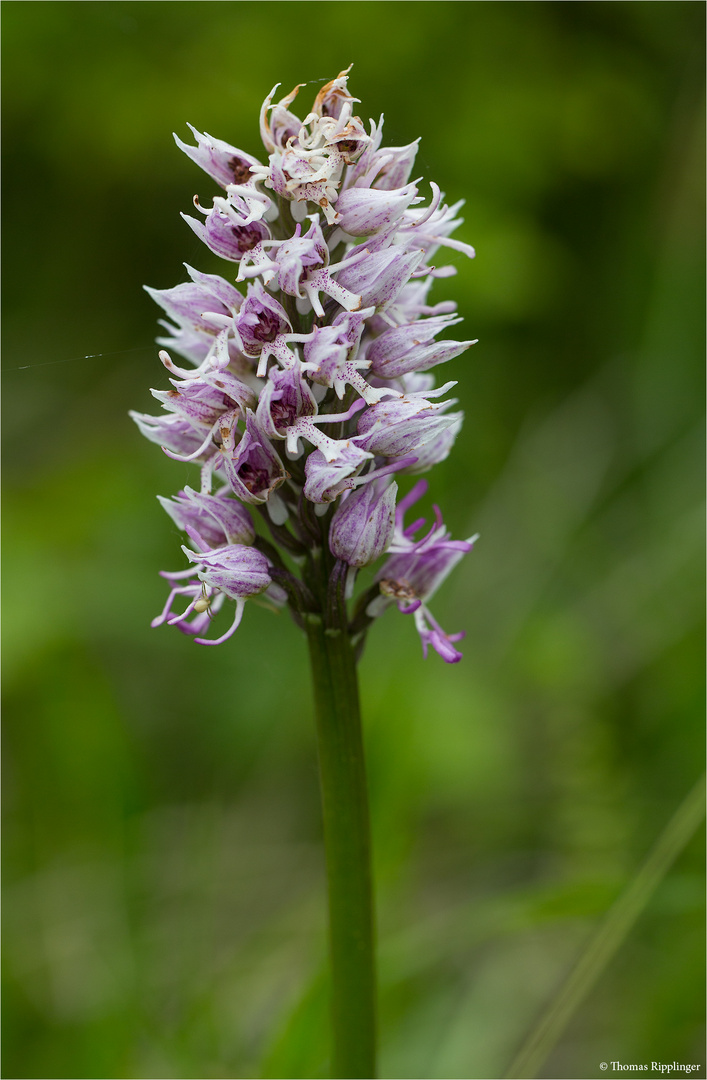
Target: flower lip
{"points": [[435, 636]]}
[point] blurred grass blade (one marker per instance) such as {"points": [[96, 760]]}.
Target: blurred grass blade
{"points": [[609, 936]]}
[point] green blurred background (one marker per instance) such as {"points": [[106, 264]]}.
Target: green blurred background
{"points": [[164, 889]]}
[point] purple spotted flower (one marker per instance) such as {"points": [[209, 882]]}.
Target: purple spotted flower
{"points": [[214, 519], [220, 160], [362, 527], [416, 569], [252, 466], [305, 399]]}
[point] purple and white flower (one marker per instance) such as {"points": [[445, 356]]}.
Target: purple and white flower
{"points": [[219, 159], [310, 397], [411, 347], [416, 569], [215, 519], [362, 527], [251, 465]]}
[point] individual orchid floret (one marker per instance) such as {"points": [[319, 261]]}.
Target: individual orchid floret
{"points": [[386, 168], [196, 302], [379, 278], [305, 427], [300, 269], [285, 398], [251, 465], [415, 575], [217, 519], [422, 564], [416, 569], [261, 321], [223, 162], [173, 433], [236, 571], [403, 349], [362, 527], [205, 399], [295, 257], [330, 357], [334, 97], [212, 404], [364, 211], [229, 236], [307, 179], [200, 308], [403, 425], [329, 349], [281, 125], [325, 480]]}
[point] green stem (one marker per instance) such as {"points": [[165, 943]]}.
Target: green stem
{"points": [[348, 850]]}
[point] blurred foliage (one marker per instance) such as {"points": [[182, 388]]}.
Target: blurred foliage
{"points": [[164, 909]]}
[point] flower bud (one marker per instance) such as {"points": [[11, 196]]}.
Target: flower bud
{"points": [[362, 527]]}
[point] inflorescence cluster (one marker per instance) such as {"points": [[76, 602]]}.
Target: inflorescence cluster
{"points": [[309, 389]]}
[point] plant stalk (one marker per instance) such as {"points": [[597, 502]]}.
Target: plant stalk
{"points": [[348, 850]]}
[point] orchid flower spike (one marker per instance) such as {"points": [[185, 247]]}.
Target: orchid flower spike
{"points": [[304, 395]]}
